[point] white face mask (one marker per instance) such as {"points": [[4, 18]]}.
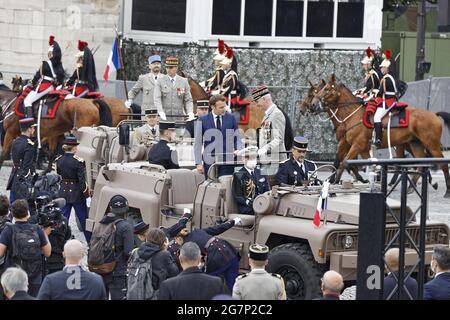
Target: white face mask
{"points": [[251, 164]]}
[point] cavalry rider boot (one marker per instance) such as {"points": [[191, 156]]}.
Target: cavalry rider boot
{"points": [[378, 134]]}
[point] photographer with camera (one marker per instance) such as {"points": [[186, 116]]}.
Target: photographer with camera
{"points": [[74, 188], [49, 215]]}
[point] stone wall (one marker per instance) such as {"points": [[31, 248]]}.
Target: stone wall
{"points": [[287, 71], [25, 26]]}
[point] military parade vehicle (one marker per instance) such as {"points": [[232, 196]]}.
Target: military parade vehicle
{"points": [[283, 218]]}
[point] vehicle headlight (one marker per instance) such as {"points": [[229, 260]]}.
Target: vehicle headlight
{"points": [[347, 242]]}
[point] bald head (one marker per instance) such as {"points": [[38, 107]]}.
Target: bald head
{"points": [[73, 252], [391, 259], [332, 282]]}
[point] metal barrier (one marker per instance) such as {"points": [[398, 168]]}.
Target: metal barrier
{"points": [[380, 209]]}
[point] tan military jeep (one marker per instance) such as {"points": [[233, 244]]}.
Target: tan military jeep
{"points": [[300, 253]]}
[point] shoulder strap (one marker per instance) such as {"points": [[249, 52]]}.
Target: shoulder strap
{"points": [[49, 62]]}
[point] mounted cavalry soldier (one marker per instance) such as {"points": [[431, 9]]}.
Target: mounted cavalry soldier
{"points": [[371, 79], [386, 97], [173, 93], [49, 75], [214, 83], [248, 182], [83, 79], [230, 81], [23, 152], [149, 132], [147, 84], [295, 170]]}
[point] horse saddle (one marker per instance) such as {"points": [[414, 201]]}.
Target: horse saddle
{"points": [[398, 113], [50, 104]]}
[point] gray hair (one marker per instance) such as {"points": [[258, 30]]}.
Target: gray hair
{"points": [[332, 282], [442, 257], [190, 251], [14, 280]]}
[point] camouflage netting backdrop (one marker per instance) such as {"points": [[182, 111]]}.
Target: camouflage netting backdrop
{"points": [[286, 71]]}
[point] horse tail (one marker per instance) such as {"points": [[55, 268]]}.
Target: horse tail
{"points": [[445, 116], [105, 113]]}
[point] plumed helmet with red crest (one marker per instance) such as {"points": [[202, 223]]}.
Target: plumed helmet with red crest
{"points": [[54, 48], [369, 57], [228, 57], [219, 54], [387, 54]]}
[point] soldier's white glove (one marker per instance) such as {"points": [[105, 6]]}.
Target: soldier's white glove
{"points": [[262, 152], [162, 115], [128, 103], [237, 221], [191, 116], [59, 87]]}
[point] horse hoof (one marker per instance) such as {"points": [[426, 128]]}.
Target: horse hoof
{"points": [[435, 186]]}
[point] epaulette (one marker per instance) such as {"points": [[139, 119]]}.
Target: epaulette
{"points": [[281, 162], [30, 141], [312, 162], [58, 157], [242, 276], [78, 158], [276, 275]]}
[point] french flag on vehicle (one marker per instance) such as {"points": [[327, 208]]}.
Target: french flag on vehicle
{"points": [[322, 203], [113, 61]]}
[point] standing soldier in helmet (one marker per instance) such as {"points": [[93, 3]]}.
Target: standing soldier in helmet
{"points": [[47, 78], [147, 84], [214, 83], [83, 79], [371, 79]]}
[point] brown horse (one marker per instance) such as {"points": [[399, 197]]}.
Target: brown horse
{"points": [[71, 113], [424, 126]]}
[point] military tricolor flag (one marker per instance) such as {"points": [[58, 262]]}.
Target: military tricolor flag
{"points": [[322, 203], [113, 60]]}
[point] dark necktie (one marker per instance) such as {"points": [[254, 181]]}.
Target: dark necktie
{"points": [[153, 131], [156, 78], [219, 123], [253, 176]]}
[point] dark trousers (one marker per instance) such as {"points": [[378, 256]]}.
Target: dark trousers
{"points": [[230, 272], [12, 197], [33, 289], [81, 212], [115, 285]]}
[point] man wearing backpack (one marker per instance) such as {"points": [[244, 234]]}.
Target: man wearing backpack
{"points": [[111, 244], [24, 244]]}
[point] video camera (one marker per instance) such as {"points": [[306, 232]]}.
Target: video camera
{"points": [[49, 211]]}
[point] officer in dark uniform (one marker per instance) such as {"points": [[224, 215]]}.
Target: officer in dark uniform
{"points": [[221, 257], [73, 184], [248, 182], [294, 171], [23, 153], [161, 153], [202, 110]]}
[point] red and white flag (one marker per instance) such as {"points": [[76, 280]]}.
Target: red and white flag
{"points": [[321, 204]]}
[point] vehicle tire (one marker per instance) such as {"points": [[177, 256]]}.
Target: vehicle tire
{"points": [[301, 273]]}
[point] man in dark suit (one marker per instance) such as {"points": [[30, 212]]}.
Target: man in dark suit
{"points": [[218, 133], [332, 285], [248, 182], [192, 283], [15, 284], [161, 153], [73, 282], [390, 281], [439, 287]]}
